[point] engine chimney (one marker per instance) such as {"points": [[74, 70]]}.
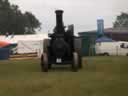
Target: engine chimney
{"points": [[59, 21]]}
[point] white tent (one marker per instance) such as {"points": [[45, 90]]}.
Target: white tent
{"points": [[30, 46], [26, 43]]}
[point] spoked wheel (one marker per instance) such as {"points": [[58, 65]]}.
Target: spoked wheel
{"points": [[44, 62], [75, 64]]}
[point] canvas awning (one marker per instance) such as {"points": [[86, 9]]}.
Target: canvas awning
{"points": [[3, 44], [104, 39]]}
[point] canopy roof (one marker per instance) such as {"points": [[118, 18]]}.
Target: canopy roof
{"points": [[104, 39], [14, 39]]}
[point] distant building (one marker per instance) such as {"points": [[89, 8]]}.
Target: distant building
{"points": [[118, 34], [89, 38]]}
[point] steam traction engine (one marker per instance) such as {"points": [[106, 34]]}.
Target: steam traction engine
{"points": [[62, 47]]}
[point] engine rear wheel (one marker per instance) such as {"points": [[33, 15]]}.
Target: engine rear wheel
{"points": [[44, 62], [75, 63], [45, 45]]}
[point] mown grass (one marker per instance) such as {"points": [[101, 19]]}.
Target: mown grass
{"points": [[100, 76]]}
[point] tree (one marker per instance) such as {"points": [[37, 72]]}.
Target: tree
{"points": [[12, 20], [121, 20], [31, 22]]}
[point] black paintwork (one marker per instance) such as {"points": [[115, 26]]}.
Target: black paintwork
{"points": [[61, 41]]}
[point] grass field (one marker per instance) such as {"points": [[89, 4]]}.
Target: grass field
{"points": [[100, 76]]}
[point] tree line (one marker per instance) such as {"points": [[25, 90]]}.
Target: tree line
{"points": [[14, 21], [121, 21]]}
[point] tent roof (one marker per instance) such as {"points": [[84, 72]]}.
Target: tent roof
{"points": [[104, 39], [16, 38]]}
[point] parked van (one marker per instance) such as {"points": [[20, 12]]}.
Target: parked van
{"points": [[112, 48]]}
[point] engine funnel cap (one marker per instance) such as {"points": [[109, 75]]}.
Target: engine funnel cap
{"points": [[59, 11]]}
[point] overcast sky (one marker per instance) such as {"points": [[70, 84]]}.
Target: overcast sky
{"points": [[82, 13]]}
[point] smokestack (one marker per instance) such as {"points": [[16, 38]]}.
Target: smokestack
{"points": [[59, 21]]}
